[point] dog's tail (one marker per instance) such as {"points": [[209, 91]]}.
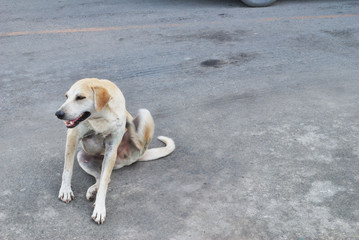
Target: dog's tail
{"points": [[156, 153]]}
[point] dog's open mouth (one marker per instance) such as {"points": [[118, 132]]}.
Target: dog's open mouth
{"points": [[73, 123]]}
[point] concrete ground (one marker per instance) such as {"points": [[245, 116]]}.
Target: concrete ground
{"points": [[263, 104]]}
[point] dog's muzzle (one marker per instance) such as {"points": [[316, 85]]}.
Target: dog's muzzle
{"points": [[74, 122]]}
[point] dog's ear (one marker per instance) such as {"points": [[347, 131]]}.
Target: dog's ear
{"points": [[101, 97]]}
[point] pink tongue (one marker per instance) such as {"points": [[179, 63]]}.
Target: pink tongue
{"points": [[71, 122]]}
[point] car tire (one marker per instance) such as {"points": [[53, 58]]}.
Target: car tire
{"points": [[258, 3]]}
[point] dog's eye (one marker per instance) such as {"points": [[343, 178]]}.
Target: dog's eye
{"points": [[80, 98], [66, 96]]}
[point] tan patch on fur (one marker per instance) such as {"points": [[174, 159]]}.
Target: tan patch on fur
{"points": [[148, 133], [148, 136], [101, 97]]}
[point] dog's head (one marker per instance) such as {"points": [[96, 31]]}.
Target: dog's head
{"points": [[85, 98]]}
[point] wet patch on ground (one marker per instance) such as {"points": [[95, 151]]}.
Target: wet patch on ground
{"points": [[347, 33], [216, 63], [234, 59], [219, 36]]}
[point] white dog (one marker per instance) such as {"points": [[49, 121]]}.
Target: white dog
{"points": [[95, 115]]}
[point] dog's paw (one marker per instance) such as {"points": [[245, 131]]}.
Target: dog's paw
{"points": [[66, 194], [91, 192], [99, 213]]}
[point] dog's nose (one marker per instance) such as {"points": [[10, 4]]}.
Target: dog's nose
{"points": [[60, 114]]}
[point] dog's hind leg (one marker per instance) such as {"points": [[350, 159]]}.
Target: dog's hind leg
{"points": [[92, 165], [142, 129]]}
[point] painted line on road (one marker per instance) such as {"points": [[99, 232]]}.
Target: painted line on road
{"points": [[310, 17], [103, 29], [78, 30]]}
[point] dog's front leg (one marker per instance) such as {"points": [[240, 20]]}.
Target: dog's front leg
{"points": [[65, 193], [112, 143]]}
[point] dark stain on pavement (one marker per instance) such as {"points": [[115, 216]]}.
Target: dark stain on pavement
{"points": [[240, 58], [218, 36], [216, 63], [333, 41], [235, 59], [227, 99], [214, 36], [345, 36], [347, 33]]}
